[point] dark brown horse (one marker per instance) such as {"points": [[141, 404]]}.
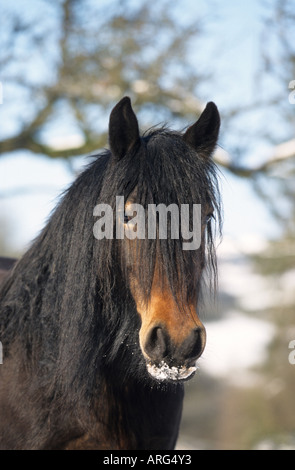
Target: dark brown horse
{"points": [[99, 320]]}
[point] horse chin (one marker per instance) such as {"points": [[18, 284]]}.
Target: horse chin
{"points": [[164, 373]]}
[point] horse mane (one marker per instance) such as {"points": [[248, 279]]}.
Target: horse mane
{"points": [[58, 303]]}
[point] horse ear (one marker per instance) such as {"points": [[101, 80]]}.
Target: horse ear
{"points": [[123, 128], [203, 135]]}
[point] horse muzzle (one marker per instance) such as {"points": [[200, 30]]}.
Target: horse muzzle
{"points": [[168, 360]]}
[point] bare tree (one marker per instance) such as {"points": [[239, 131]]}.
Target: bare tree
{"points": [[79, 57]]}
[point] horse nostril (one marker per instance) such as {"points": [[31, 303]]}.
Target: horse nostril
{"points": [[193, 346], [156, 344], [159, 347]]}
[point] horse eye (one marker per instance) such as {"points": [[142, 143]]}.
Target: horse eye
{"points": [[126, 218]]}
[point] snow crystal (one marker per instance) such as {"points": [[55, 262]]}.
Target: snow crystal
{"points": [[164, 372]]}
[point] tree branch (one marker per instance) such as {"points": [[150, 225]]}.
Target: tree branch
{"points": [[281, 152]]}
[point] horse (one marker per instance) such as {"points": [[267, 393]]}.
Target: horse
{"points": [[100, 333]]}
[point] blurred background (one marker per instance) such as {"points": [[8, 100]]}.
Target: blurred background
{"points": [[65, 63]]}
